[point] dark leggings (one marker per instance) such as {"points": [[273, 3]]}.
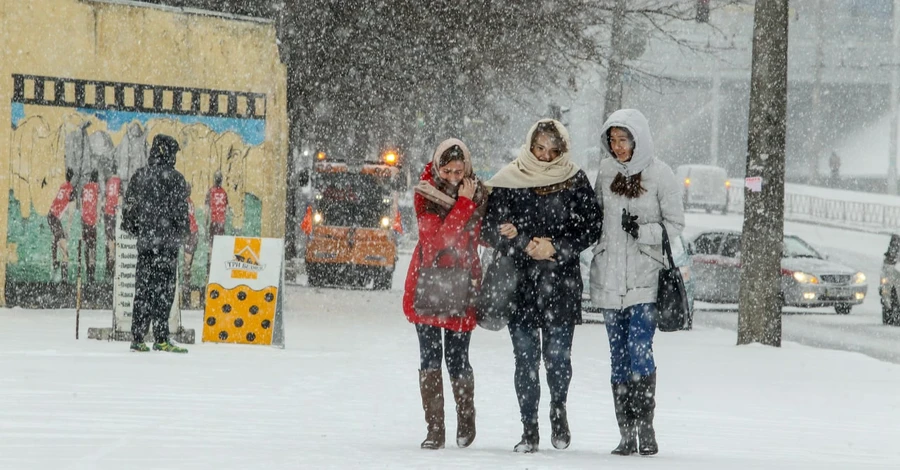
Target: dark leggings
{"points": [[431, 350], [554, 344]]}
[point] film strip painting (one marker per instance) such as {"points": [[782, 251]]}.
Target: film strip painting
{"points": [[136, 97]]}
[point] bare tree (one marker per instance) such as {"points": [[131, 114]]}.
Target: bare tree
{"points": [[759, 317]]}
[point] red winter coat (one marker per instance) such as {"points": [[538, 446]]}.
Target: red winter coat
{"points": [[435, 235]]}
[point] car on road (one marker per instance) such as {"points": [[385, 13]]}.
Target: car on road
{"points": [[591, 313], [889, 288], [704, 187], [808, 278]]}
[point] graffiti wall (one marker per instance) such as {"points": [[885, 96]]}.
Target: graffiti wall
{"points": [[75, 145], [84, 88]]}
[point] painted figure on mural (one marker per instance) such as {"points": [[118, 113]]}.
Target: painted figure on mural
{"points": [[58, 209], [190, 245], [90, 197], [217, 207], [112, 194], [131, 153]]}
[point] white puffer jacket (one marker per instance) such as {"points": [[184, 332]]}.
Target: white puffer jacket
{"points": [[625, 271]]}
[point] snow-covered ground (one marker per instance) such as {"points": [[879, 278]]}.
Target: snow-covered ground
{"points": [[343, 393]]}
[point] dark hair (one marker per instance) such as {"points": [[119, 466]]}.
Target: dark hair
{"points": [[628, 186], [547, 127], [452, 154], [95, 176]]}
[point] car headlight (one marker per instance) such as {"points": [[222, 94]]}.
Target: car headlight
{"points": [[859, 278], [883, 281], [804, 278], [385, 222], [317, 217], [685, 273]]}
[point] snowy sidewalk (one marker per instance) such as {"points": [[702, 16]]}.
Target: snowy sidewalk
{"points": [[344, 394]]}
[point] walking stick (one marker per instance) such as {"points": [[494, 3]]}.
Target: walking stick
{"points": [[78, 292]]}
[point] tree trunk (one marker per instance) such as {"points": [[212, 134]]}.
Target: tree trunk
{"points": [[613, 100], [759, 317]]}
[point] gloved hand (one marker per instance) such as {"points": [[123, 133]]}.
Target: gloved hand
{"points": [[629, 224]]}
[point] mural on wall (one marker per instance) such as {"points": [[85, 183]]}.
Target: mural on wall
{"points": [[76, 144]]}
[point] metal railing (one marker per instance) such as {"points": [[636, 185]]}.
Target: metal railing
{"points": [[857, 215]]}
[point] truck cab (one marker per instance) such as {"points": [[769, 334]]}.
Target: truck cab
{"points": [[352, 224]]}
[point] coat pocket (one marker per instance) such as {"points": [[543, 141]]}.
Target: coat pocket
{"points": [[654, 252]]}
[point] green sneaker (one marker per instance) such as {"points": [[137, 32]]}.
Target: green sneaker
{"points": [[169, 347], [139, 347]]}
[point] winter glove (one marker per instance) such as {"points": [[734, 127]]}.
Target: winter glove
{"points": [[629, 224]]}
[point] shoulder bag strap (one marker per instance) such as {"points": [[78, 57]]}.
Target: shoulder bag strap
{"points": [[667, 248]]}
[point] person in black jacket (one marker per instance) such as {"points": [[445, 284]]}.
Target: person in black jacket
{"points": [[155, 211], [543, 213]]}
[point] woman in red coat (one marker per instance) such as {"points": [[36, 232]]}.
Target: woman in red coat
{"points": [[449, 203]]}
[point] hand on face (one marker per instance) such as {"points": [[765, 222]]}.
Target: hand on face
{"points": [[541, 249], [453, 172], [467, 188]]}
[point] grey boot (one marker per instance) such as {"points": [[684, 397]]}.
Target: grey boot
{"points": [[559, 422], [464, 394], [625, 419], [431, 385], [645, 406], [531, 437]]}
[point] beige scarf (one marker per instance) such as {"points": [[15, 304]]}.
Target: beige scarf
{"points": [[526, 171]]}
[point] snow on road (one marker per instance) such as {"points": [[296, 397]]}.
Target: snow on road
{"points": [[343, 394]]}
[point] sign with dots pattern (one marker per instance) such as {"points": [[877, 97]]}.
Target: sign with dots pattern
{"points": [[243, 297]]}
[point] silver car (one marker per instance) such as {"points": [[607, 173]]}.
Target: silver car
{"points": [[808, 279], [890, 284]]}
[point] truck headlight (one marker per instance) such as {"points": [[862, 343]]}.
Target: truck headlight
{"points": [[804, 278], [385, 221], [859, 278], [317, 217]]}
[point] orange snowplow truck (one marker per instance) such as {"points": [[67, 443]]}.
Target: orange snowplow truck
{"points": [[353, 223]]}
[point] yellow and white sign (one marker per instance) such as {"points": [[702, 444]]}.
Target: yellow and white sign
{"points": [[243, 297]]}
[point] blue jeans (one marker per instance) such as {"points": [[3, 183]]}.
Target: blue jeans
{"points": [[555, 345], [431, 350], [631, 333]]}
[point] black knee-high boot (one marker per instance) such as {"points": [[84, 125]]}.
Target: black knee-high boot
{"points": [[644, 407], [622, 398]]}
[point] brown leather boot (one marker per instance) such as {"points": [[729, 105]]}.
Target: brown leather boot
{"points": [[464, 393], [431, 385]]}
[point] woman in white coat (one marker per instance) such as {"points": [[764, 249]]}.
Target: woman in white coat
{"points": [[639, 195]]}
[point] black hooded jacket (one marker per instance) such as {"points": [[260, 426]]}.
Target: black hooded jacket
{"points": [[155, 209]]}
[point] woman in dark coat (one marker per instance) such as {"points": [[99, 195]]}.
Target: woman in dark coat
{"points": [[543, 213], [449, 202]]}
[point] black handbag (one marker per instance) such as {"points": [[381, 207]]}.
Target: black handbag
{"points": [[671, 298], [496, 301], [442, 291]]}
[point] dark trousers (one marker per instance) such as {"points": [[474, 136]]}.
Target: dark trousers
{"points": [[89, 239], [154, 292], [631, 333], [456, 345], [529, 345]]}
